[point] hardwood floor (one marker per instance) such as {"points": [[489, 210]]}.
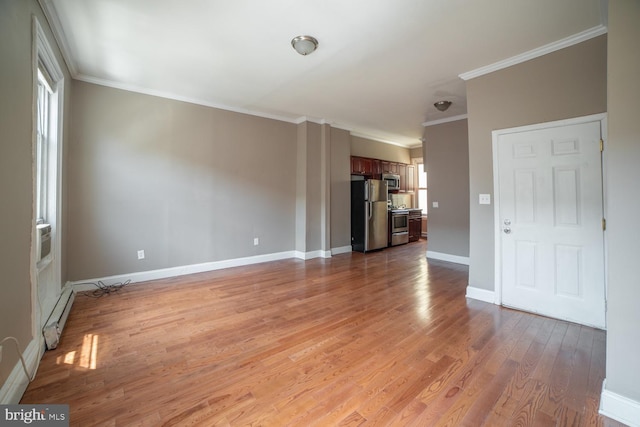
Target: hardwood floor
{"points": [[378, 339]]}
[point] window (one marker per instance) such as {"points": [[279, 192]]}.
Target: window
{"points": [[48, 96], [48, 111], [45, 109], [422, 188]]}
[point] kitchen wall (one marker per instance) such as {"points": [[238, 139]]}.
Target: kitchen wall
{"points": [[622, 155], [188, 184], [447, 165], [415, 152], [16, 171], [364, 147], [567, 83]]}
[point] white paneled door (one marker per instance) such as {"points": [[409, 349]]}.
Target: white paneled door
{"points": [[551, 222]]}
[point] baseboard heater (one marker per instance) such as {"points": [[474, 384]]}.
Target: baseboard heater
{"points": [[55, 324]]}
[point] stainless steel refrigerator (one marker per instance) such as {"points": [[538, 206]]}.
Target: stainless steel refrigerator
{"points": [[369, 217]]}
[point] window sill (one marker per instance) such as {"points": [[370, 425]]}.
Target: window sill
{"points": [[44, 263]]}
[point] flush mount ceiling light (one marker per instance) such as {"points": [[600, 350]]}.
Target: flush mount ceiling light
{"points": [[442, 105], [304, 45]]}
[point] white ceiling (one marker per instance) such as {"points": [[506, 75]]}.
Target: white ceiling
{"points": [[379, 67]]}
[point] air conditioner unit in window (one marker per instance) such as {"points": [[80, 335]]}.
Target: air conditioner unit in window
{"points": [[43, 241]]}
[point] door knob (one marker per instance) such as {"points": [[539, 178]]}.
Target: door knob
{"points": [[507, 230]]}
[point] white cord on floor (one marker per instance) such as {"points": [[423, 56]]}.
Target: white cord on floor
{"points": [[24, 365]]}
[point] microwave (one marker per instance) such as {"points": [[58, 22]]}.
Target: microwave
{"points": [[392, 180]]}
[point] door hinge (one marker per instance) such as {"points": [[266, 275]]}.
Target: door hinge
{"points": [[601, 145], [604, 224]]}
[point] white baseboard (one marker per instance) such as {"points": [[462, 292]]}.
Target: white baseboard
{"points": [[480, 294], [341, 250], [448, 257], [143, 276], [619, 408], [17, 382], [313, 254]]}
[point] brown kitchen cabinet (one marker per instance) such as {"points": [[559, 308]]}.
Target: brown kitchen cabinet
{"points": [[362, 166], [388, 167], [402, 171], [384, 166], [410, 186], [374, 168], [357, 166], [415, 224]]}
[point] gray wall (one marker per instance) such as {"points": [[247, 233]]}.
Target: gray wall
{"points": [[447, 165], [340, 188], [16, 168], [564, 84], [623, 199], [309, 194], [364, 147], [186, 183]]}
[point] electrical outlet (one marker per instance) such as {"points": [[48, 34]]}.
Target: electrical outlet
{"points": [[256, 241], [436, 204], [141, 254]]}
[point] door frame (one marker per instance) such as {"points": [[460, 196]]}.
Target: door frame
{"points": [[497, 230]]}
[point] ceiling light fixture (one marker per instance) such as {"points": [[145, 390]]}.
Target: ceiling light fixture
{"points": [[442, 105], [304, 45]]}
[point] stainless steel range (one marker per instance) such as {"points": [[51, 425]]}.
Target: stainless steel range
{"points": [[399, 226]]}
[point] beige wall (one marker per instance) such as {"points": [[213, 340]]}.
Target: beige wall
{"points": [[16, 168], [186, 183], [364, 147], [623, 200], [415, 152], [447, 165], [564, 84]]}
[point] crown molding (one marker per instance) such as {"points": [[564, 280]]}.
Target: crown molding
{"points": [[536, 53], [445, 120], [316, 120], [341, 127], [375, 138], [353, 132], [59, 35], [173, 96], [169, 95]]}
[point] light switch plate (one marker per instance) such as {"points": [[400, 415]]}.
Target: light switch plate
{"points": [[435, 204], [485, 199]]}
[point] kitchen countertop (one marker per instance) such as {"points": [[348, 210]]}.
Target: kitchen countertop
{"points": [[408, 210]]}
